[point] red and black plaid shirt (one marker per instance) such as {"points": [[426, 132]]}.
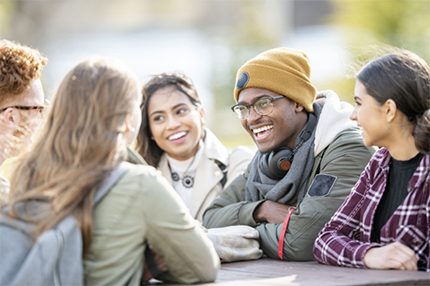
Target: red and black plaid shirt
{"points": [[346, 237]]}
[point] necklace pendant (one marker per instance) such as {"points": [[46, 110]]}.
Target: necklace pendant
{"points": [[175, 177], [187, 181]]}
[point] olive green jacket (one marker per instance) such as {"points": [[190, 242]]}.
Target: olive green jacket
{"points": [[141, 209], [345, 157]]}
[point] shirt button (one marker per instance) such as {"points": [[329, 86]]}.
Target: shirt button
{"points": [[414, 240], [217, 173]]}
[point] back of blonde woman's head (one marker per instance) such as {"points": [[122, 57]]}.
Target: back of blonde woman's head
{"points": [[88, 111], [82, 141]]}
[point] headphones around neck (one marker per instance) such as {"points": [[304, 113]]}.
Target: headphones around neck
{"points": [[276, 163]]}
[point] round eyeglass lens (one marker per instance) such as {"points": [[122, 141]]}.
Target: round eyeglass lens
{"points": [[264, 106], [241, 111]]}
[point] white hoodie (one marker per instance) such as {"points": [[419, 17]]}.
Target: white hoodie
{"points": [[334, 119]]}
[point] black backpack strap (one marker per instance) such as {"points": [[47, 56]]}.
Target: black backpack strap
{"points": [[152, 264], [321, 157], [224, 170], [111, 180]]}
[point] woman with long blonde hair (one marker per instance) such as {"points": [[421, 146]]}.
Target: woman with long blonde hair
{"points": [[94, 115]]}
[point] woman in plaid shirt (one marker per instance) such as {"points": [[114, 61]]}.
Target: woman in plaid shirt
{"points": [[385, 221]]}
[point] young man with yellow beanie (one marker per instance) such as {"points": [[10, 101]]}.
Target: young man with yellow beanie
{"points": [[310, 156]]}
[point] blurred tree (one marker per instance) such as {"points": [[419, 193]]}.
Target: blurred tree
{"points": [[371, 27], [251, 35], [400, 23], [6, 7]]}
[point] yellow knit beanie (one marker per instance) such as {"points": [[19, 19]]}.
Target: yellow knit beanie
{"points": [[281, 70]]}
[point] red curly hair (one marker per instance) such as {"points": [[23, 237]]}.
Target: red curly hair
{"points": [[19, 67]]}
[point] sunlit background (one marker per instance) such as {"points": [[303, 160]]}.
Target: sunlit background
{"points": [[210, 39]]}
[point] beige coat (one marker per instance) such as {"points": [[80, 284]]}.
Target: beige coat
{"points": [[207, 184]]}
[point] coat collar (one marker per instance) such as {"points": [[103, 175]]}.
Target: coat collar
{"points": [[134, 157], [208, 172], [214, 149]]}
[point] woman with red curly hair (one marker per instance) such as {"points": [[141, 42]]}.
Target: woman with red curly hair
{"points": [[21, 100]]}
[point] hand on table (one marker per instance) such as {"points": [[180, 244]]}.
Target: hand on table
{"points": [[271, 212], [161, 263], [391, 256]]}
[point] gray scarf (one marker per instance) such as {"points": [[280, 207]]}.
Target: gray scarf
{"points": [[293, 185]]}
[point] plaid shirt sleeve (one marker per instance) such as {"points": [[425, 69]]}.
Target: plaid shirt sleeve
{"points": [[345, 239], [338, 242], [428, 229]]}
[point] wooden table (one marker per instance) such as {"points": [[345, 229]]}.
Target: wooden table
{"points": [[267, 271]]}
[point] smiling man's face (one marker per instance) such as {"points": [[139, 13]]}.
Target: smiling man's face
{"points": [[277, 129]]}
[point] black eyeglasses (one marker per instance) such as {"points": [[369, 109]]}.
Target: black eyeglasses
{"points": [[262, 106], [39, 108]]}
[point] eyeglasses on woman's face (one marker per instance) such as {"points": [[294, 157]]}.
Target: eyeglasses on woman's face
{"points": [[262, 106]]}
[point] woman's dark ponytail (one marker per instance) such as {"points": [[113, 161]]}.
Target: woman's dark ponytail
{"points": [[422, 133]]}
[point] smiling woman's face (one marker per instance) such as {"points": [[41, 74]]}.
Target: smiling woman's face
{"points": [[175, 123], [369, 116]]}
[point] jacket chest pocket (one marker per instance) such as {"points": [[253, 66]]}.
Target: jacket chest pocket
{"points": [[413, 236]]}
